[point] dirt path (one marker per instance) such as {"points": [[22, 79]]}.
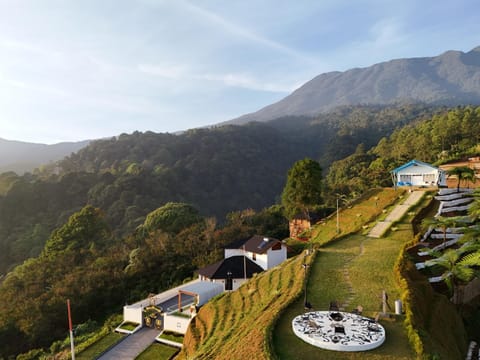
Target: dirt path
{"points": [[346, 273]]}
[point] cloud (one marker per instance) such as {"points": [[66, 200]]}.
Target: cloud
{"points": [[247, 82], [44, 89], [168, 71], [387, 32], [239, 80], [242, 32]]}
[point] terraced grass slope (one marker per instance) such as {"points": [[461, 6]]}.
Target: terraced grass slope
{"points": [[237, 325]]}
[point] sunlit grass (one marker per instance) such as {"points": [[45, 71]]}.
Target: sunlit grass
{"points": [[236, 325], [368, 208], [370, 263], [93, 351]]}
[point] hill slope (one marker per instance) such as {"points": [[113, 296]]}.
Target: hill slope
{"points": [[451, 78], [21, 156], [217, 170]]}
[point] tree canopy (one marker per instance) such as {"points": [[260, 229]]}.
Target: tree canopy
{"points": [[447, 135], [172, 218], [303, 190]]}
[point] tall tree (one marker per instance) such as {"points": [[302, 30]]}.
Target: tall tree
{"points": [[462, 173], [303, 190]]}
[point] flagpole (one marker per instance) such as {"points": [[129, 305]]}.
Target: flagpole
{"points": [[72, 346]]}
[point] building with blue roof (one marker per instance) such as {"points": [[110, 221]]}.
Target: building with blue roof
{"points": [[418, 173]]}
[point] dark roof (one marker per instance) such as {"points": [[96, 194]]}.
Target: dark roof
{"points": [[234, 264], [256, 244]]}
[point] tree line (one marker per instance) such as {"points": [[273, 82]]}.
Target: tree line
{"points": [[449, 135], [84, 262], [217, 170]]}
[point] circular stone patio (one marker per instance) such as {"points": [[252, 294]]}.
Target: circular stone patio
{"points": [[338, 331]]}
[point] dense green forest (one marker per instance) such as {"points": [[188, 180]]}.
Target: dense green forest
{"points": [[82, 261], [449, 135], [217, 170]]}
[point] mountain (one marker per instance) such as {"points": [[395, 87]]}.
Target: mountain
{"points": [[452, 78], [21, 156]]}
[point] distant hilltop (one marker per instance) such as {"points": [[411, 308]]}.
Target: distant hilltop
{"points": [[22, 156], [452, 78]]}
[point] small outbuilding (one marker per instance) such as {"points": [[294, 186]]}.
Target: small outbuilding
{"points": [[418, 173]]}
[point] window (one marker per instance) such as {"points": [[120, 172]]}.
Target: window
{"points": [[429, 178]]}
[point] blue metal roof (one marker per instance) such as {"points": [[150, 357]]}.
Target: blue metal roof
{"points": [[413, 163]]}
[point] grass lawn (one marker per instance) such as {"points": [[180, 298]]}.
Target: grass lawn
{"points": [[172, 336], [368, 208], [371, 271], [101, 345], [157, 352], [130, 326]]}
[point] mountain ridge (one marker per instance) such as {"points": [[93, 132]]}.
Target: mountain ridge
{"points": [[22, 156], [451, 78]]}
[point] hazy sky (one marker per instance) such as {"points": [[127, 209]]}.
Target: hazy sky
{"points": [[83, 69]]}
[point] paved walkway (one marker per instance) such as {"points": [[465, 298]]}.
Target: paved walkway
{"points": [[396, 214], [132, 346]]}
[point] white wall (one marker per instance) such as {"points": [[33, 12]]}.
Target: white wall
{"points": [[233, 252], [133, 313], [276, 257], [266, 261], [235, 285], [416, 174], [178, 324], [260, 259]]}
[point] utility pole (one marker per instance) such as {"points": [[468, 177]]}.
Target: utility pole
{"points": [[306, 305], [338, 219]]}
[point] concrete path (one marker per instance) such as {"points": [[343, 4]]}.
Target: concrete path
{"points": [[132, 346], [396, 214]]}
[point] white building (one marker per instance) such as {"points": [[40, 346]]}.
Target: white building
{"points": [[264, 251], [418, 173], [199, 293], [243, 259]]}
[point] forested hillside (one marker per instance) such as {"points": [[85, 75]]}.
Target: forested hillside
{"points": [[448, 135], [111, 246], [83, 261], [217, 170]]}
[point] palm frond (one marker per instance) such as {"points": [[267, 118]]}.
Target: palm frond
{"points": [[463, 273], [472, 259]]}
